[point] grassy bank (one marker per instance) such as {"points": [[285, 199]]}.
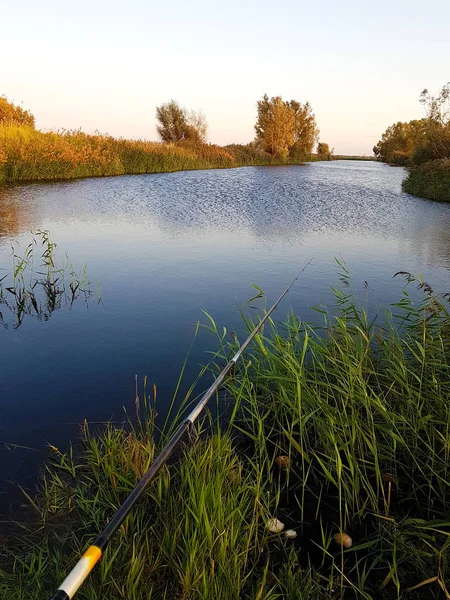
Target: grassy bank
{"points": [[27, 154], [430, 180], [362, 411]]}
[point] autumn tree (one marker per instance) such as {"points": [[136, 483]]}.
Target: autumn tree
{"points": [[286, 128], [176, 124], [323, 151], [11, 114], [275, 126], [306, 130]]}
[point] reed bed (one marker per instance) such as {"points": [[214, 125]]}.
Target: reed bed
{"points": [[430, 180], [359, 410], [27, 154]]}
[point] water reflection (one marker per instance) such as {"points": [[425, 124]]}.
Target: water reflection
{"points": [[278, 206], [27, 292], [166, 246], [12, 216]]}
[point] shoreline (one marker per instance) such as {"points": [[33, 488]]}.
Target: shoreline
{"points": [[4, 182]]}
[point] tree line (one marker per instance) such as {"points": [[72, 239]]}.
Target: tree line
{"points": [[284, 129], [419, 141]]}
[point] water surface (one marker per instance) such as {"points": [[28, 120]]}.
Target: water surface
{"points": [[166, 247]]}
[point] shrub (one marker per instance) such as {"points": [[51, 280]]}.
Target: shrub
{"points": [[430, 180]]}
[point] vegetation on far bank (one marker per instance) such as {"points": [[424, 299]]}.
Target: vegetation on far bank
{"points": [[430, 180], [423, 146], [359, 412], [286, 133]]}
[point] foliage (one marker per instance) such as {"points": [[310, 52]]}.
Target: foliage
{"points": [[275, 126], [176, 124], [437, 107], [323, 151], [419, 141], [306, 131], [398, 141], [29, 154], [285, 128], [249, 154], [430, 180], [11, 114], [361, 409]]}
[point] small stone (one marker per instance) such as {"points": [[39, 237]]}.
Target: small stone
{"points": [[290, 534], [343, 539], [282, 461], [275, 526]]}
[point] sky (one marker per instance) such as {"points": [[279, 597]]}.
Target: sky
{"points": [[106, 65]]}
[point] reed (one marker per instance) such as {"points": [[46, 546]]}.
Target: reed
{"points": [[27, 154], [430, 180], [361, 409]]}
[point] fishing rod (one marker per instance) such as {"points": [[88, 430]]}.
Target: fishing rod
{"points": [[86, 563]]}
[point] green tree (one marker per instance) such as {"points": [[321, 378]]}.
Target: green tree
{"points": [[11, 114], [437, 107], [398, 142], [176, 124], [434, 143]]}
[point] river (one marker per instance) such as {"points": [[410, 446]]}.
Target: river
{"points": [[165, 247]]}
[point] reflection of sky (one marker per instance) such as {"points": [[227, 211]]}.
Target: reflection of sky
{"points": [[166, 247]]}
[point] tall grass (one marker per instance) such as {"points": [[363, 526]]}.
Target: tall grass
{"points": [[430, 180], [28, 154], [360, 407]]}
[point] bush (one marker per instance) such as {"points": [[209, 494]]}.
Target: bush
{"points": [[430, 180]]}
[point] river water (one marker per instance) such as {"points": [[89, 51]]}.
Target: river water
{"points": [[166, 247]]}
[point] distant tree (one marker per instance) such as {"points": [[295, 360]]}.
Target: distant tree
{"points": [[398, 142], [323, 151], [306, 130], [11, 114], [176, 124], [437, 107], [197, 127], [434, 143], [172, 122], [285, 128], [275, 126]]}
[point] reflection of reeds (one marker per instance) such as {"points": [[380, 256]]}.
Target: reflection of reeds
{"points": [[28, 154], [360, 411], [27, 291]]}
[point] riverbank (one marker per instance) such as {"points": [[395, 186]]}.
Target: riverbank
{"points": [[359, 413], [27, 154], [430, 180]]}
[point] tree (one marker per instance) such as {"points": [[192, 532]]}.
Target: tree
{"points": [[176, 124], [197, 126], [275, 126], [306, 130], [10, 114], [286, 128], [435, 140], [398, 142], [323, 151], [437, 107]]}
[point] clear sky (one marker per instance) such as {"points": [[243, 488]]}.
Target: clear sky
{"points": [[105, 65]]}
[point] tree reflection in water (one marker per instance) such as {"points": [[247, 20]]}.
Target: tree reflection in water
{"points": [[39, 292]]}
